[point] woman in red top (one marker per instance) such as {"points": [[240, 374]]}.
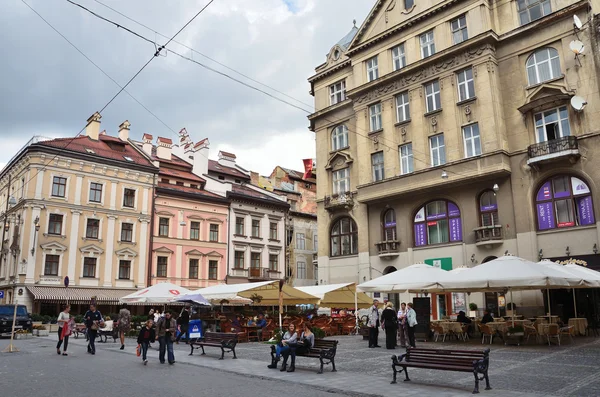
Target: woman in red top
{"points": [[146, 337]]}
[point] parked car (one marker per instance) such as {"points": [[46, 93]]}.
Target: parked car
{"points": [[23, 320]]}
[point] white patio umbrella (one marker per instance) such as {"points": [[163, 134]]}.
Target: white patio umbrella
{"points": [[455, 272], [419, 277], [161, 293]]}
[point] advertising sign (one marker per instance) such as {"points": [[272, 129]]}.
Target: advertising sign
{"points": [[545, 215], [420, 234], [545, 192], [342, 312], [443, 263], [585, 211], [455, 229], [453, 210], [195, 329]]}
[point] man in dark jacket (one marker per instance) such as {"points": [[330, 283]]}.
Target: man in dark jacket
{"points": [[165, 330], [93, 321], [184, 324]]}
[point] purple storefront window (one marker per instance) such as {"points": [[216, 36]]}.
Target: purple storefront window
{"points": [[545, 216]]}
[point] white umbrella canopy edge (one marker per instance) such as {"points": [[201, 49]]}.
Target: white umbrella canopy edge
{"points": [[338, 295], [414, 278], [158, 293]]}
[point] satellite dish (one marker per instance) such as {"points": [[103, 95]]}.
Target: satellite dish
{"points": [[577, 22], [577, 47], [578, 103]]}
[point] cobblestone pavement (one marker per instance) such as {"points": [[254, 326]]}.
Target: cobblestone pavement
{"points": [[532, 370]]}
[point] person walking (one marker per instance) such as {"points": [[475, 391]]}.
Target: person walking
{"points": [[63, 334], [93, 322], [411, 320], [184, 324], [402, 327], [145, 337], [165, 329], [389, 323], [124, 323], [373, 324]]}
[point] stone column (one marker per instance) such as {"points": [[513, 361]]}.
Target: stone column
{"points": [[113, 195], [33, 243], [78, 185], [144, 237], [72, 250], [110, 251], [39, 184]]}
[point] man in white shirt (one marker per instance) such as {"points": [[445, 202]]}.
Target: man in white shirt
{"points": [[402, 326], [373, 324], [411, 322]]}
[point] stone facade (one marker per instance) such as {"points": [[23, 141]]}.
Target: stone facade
{"points": [[482, 95]]}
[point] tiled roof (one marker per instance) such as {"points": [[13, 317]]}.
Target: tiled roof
{"points": [[214, 166], [148, 137], [227, 154], [105, 147], [246, 191], [165, 140], [164, 171], [185, 189]]}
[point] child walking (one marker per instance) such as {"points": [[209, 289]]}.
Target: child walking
{"points": [[146, 337]]}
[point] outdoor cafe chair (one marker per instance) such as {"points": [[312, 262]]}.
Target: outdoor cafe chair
{"points": [[438, 331], [486, 331], [567, 331], [530, 331], [553, 332]]}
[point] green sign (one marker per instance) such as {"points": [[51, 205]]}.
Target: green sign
{"points": [[443, 263]]}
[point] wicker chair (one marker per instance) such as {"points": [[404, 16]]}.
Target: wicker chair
{"points": [[486, 331], [553, 332], [566, 332], [530, 331], [438, 331]]}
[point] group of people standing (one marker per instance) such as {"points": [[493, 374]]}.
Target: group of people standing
{"points": [[394, 323]]}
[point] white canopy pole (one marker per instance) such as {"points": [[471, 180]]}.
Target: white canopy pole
{"points": [[574, 303], [356, 310], [513, 308], [549, 308]]}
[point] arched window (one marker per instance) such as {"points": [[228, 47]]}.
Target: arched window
{"points": [[339, 137], [344, 237], [564, 201], [437, 222], [389, 225], [543, 65], [488, 208]]}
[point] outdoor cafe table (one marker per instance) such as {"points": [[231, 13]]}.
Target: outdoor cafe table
{"points": [[543, 329], [579, 325], [251, 331], [451, 327], [498, 327], [552, 319]]}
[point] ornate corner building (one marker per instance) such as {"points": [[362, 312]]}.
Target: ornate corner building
{"points": [[451, 132]]}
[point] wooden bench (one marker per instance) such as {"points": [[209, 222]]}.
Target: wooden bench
{"points": [[222, 340], [323, 349], [476, 362]]}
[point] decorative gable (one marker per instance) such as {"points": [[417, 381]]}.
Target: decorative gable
{"points": [[339, 159], [194, 253], [214, 254], [163, 250], [53, 248], [546, 96], [91, 250], [126, 253]]}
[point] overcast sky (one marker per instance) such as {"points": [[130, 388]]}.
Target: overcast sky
{"points": [[49, 89]]}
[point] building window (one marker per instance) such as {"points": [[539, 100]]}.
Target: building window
{"points": [[402, 107], [238, 262], [458, 27], [564, 201], [300, 241], [255, 260], [89, 267], [95, 192], [255, 228], [488, 209], [372, 69], [193, 271], [55, 224], [552, 124], [406, 159], [124, 270], [163, 227], [344, 237], [315, 243], [437, 222], [337, 92], [375, 117], [214, 232], [398, 57], [408, 4], [377, 166], [339, 137], [127, 232], [51, 265], [129, 198], [59, 186], [432, 96], [301, 270], [466, 86], [179, 183], [239, 226], [543, 65], [93, 228], [274, 262], [389, 225], [194, 230], [530, 10], [341, 181], [273, 235], [437, 150], [427, 44], [472, 140], [213, 270], [161, 266]]}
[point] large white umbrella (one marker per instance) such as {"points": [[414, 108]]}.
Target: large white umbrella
{"points": [[161, 293], [414, 278], [338, 295]]}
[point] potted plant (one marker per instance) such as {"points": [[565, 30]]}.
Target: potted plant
{"points": [[472, 309], [23, 334], [319, 333]]}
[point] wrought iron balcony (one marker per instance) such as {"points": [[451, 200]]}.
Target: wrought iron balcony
{"points": [[388, 248], [487, 235], [556, 148], [339, 201]]}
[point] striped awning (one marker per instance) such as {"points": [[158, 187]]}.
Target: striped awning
{"points": [[78, 294]]}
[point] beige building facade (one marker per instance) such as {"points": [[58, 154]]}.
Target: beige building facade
{"points": [[82, 210], [453, 132]]}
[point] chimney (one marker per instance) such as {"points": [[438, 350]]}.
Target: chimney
{"points": [[124, 131], [163, 148], [92, 128], [147, 144], [227, 159], [199, 155]]}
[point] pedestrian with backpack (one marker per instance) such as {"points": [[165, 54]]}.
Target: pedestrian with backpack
{"points": [[124, 324]]}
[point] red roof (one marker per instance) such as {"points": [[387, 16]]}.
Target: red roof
{"points": [[201, 143], [180, 174], [227, 154], [165, 140], [199, 192], [105, 147], [214, 166], [148, 137], [246, 191]]}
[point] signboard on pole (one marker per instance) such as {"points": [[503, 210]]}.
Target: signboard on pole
{"points": [[195, 329], [1, 294]]}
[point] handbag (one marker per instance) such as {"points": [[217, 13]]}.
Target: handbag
{"points": [[138, 350], [94, 327]]}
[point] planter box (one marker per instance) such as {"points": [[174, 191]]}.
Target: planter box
{"points": [[23, 336], [42, 332]]}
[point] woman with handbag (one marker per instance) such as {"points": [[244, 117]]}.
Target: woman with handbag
{"points": [[390, 324], [63, 325], [93, 322], [283, 347]]}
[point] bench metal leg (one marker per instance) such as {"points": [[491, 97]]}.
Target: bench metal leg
{"points": [[406, 374], [476, 389], [321, 370], [333, 365], [233, 351], [487, 381], [222, 353]]}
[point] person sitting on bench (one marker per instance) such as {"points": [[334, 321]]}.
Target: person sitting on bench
{"points": [[283, 347], [304, 344]]}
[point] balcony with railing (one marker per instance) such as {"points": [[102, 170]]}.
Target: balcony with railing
{"points": [[341, 201], [554, 149], [388, 248], [238, 272], [258, 273], [488, 235]]}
